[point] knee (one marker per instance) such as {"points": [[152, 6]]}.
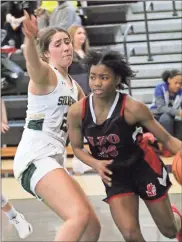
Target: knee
{"points": [[166, 119], [170, 232], [131, 234], [96, 228], [81, 215]]}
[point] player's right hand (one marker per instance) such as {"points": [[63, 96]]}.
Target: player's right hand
{"points": [[30, 28], [104, 172]]}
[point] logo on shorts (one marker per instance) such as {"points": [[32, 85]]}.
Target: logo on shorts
{"points": [[151, 190], [163, 180]]}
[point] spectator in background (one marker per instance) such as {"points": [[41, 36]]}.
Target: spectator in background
{"points": [[42, 17], [45, 8], [4, 120], [80, 41], [167, 103], [80, 45], [4, 12], [12, 22], [64, 15]]}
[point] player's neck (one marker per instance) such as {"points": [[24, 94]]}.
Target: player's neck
{"points": [[62, 70], [104, 102]]}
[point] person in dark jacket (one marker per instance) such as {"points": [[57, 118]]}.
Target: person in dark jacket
{"points": [[81, 46]]}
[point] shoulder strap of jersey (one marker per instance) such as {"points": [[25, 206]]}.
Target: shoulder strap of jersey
{"points": [[58, 74], [123, 103]]}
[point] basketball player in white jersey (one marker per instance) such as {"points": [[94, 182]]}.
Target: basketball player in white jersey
{"points": [[38, 164]]}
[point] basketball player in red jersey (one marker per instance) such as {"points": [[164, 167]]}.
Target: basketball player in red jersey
{"points": [[112, 121]]}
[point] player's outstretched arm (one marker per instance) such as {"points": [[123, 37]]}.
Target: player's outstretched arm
{"points": [[37, 69]]}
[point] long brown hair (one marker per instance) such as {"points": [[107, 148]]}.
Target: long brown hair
{"points": [[44, 40], [72, 30]]}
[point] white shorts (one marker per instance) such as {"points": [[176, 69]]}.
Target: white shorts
{"points": [[36, 156], [38, 169]]}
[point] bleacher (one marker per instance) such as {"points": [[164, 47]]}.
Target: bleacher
{"points": [[115, 25], [165, 41]]}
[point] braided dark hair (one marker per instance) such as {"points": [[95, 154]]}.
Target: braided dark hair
{"points": [[113, 60]]}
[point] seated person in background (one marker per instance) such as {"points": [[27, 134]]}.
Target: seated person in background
{"points": [[4, 120], [14, 19], [43, 11], [80, 41], [167, 101], [80, 46], [64, 15], [4, 12], [42, 18]]}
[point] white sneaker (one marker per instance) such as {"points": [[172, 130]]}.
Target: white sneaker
{"points": [[22, 226]]}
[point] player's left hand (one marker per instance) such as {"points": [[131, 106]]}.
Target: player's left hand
{"points": [[104, 172], [30, 28]]}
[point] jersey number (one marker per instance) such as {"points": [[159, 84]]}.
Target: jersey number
{"points": [[64, 123]]}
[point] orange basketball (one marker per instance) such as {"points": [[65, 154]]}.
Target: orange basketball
{"points": [[177, 167]]}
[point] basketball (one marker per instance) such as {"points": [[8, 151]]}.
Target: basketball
{"points": [[177, 167]]}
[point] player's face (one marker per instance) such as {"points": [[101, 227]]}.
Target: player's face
{"points": [[175, 83], [60, 50], [102, 81]]}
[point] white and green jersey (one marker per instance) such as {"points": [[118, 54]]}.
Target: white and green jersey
{"points": [[48, 113]]}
